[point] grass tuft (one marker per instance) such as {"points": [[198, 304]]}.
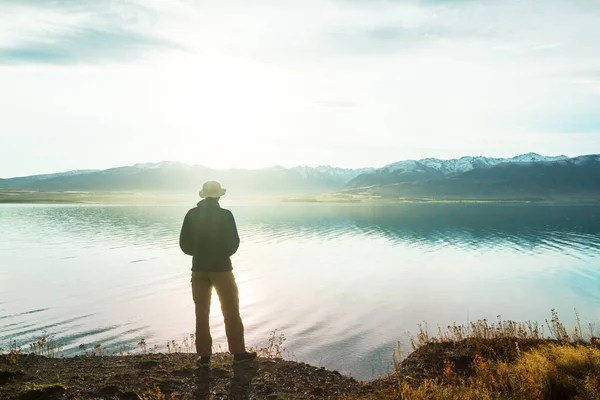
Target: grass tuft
{"points": [[37, 391], [7, 374]]}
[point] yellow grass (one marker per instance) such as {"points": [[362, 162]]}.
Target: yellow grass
{"points": [[553, 371], [508, 360]]}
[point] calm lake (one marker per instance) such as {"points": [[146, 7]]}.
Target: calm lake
{"points": [[343, 283]]}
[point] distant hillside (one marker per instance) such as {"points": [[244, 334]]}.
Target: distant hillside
{"points": [[433, 168], [172, 176], [562, 179]]}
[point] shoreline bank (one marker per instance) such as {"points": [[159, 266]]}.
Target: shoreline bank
{"points": [[482, 360], [448, 370]]}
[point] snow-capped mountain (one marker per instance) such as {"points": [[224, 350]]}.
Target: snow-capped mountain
{"points": [[464, 164], [433, 168], [529, 177], [54, 175], [162, 164], [329, 171]]}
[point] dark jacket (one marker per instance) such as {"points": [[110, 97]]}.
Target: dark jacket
{"points": [[209, 235]]}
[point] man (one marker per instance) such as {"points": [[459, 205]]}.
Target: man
{"points": [[209, 234]]}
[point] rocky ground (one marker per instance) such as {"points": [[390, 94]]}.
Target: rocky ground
{"points": [[165, 376]]}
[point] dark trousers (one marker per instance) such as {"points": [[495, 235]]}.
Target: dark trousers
{"points": [[227, 290]]}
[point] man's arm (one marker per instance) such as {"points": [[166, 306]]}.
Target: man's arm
{"points": [[186, 239], [235, 237]]}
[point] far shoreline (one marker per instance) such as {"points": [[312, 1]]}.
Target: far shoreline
{"points": [[173, 198]]}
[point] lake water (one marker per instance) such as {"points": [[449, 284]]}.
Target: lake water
{"points": [[343, 283]]}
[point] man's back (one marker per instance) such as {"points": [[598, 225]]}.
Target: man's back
{"points": [[209, 234]]}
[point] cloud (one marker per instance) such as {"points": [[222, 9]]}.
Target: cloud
{"points": [[84, 45], [78, 31], [515, 26]]}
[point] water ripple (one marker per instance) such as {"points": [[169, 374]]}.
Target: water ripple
{"points": [[24, 313]]}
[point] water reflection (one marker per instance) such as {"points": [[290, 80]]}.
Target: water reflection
{"points": [[343, 282], [520, 227], [453, 225]]}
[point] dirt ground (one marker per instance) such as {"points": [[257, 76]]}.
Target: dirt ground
{"points": [[165, 376]]}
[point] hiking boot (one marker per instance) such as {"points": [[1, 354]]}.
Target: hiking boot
{"points": [[203, 362], [239, 358]]}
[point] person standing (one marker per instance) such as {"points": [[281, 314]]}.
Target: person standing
{"points": [[209, 234]]}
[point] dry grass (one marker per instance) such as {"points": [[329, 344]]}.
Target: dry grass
{"points": [[552, 371], [274, 348], [503, 329], [496, 360]]}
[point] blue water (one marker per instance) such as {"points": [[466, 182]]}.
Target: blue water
{"points": [[343, 283]]}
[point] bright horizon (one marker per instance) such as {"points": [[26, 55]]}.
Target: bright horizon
{"points": [[346, 83]]}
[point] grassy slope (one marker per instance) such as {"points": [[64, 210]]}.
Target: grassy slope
{"points": [[554, 371]]}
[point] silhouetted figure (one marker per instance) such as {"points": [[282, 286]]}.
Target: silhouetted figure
{"points": [[210, 236]]}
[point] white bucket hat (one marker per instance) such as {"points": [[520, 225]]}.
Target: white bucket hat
{"points": [[212, 189]]}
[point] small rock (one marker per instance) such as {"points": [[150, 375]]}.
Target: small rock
{"points": [[130, 396], [318, 391], [109, 390]]}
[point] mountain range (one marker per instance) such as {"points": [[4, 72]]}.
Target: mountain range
{"points": [[176, 176], [433, 168], [524, 177]]}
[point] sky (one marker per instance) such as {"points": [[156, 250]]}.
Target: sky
{"points": [[251, 84]]}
